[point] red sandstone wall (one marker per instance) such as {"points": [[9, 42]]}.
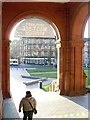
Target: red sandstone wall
{"points": [[12, 12], [63, 16], [1, 98], [51, 11]]}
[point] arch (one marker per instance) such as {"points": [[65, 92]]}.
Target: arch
{"points": [[79, 21], [24, 15], [78, 78], [70, 49], [51, 20]]}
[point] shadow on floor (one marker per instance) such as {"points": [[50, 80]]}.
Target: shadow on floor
{"points": [[81, 100], [10, 111]]}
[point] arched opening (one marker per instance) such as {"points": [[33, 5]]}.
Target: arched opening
{"points": [[17, 19], [73, 79], [33, 45], [86, 54]]}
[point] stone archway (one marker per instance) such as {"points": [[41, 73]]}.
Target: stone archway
{"points": [[7, 39], [73, 83], [77, 46], [66, 17]]}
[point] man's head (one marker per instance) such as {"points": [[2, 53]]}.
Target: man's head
{"points": [[28, 94]]}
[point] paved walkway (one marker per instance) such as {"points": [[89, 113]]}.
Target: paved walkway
{"points": [[49, 104]]}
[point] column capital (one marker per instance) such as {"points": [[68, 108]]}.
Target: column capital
{"points": [[72, 43], [58, 43], [77, 40], [65, 43], [77, 43]]}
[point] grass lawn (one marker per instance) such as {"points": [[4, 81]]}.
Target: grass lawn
{"points": [[87, 71], [35, 72], [42, 70], [47, 87], [48, 75]]}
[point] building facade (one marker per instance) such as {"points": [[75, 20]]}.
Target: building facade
{"points": [[33, 38], [86, 53], [34, 47]]}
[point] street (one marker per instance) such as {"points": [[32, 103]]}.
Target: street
{"points": [[28, 66]]}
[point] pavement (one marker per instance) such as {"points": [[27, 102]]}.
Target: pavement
{"points": [[49, 104]]}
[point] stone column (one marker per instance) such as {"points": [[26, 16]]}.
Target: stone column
{"points": [[65, 59], [78, 81], [5, 69], [72, 82], [65, 68], [1, 96]]}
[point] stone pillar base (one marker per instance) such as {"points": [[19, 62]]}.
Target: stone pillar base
{"points": [[7, 95], [61, 92], [74, 93], [77, 93]]}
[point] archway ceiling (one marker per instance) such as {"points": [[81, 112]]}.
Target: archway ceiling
{"points": [[35, 0], [61, 1]]}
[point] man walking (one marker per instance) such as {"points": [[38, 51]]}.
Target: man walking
{"points": [[27, 103]]}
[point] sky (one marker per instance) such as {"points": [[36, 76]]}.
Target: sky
{"points": [[86, 33], [14, 29]]}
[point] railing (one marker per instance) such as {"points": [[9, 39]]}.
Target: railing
{"points": [[55, 87]]}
